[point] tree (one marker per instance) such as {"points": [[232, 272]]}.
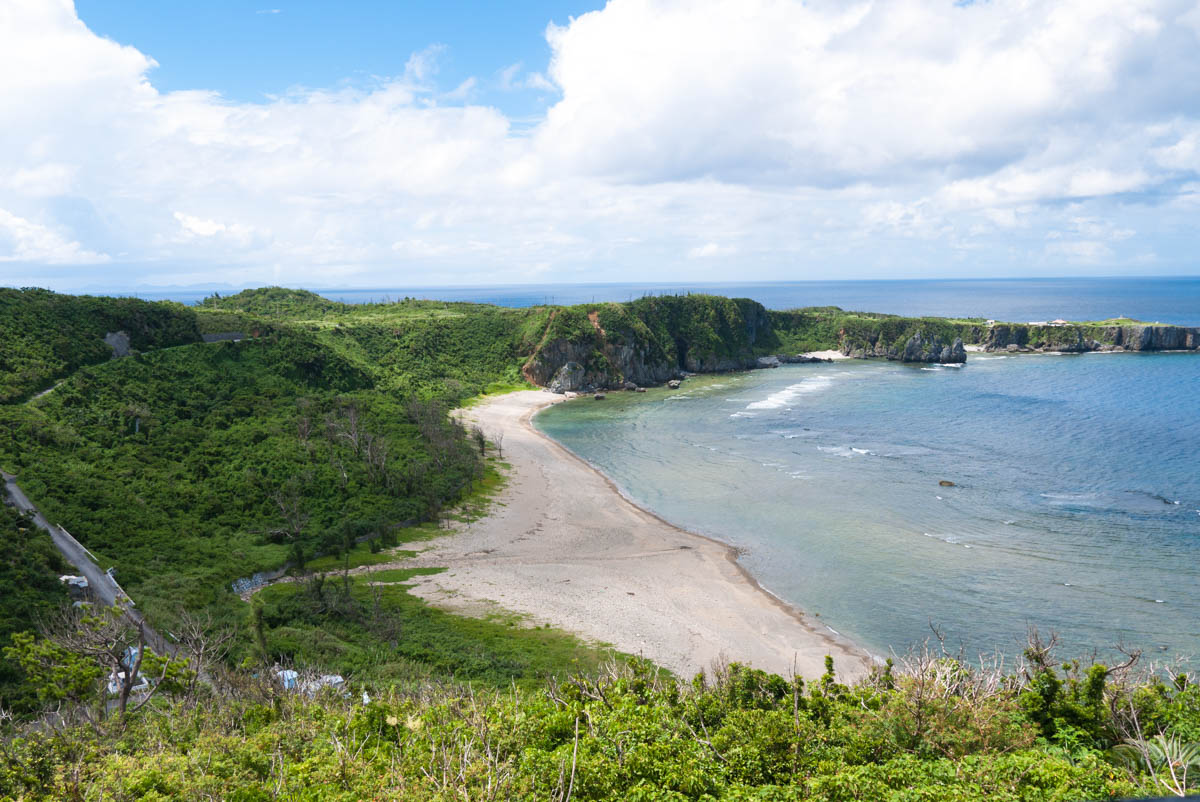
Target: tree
{"points": [[206, 646], [86, 656]]}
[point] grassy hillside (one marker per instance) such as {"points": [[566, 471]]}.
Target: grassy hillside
{"points": [[46, 336], [449, 351], [188, 468]]}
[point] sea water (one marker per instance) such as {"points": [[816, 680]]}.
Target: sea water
{"points": [[1164, 300], [1075, 504]]}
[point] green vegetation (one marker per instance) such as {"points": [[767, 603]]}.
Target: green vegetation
{"points": [[828, 327], [431, 349], [321, 444], [368, 625], [47, 336], [189, 468], [712, 328], [936, 731], [29, 570]]}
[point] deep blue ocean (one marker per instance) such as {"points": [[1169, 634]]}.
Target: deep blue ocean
{"points": [[1166, 300]]}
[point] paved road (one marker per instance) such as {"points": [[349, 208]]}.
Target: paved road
{"points": [[77, 556], [103, 589]]}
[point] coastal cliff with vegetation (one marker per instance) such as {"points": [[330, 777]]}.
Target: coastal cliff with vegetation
{"points": [[868, 335], [276, 432]]}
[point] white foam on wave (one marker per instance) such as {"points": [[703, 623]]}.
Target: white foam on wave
{"points": [[742, 415], [846, 451], [930, 368], [952, 540], [787, 395]]}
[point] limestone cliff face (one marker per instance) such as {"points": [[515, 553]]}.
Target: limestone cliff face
{"points": [[1084, 338], [648, 341], [917, 348], [599, 363]]}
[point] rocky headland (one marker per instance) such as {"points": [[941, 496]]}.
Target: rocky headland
{"points": [[655, 340]]}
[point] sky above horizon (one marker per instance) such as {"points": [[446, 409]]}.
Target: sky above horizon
{"points": [[379, 144]]}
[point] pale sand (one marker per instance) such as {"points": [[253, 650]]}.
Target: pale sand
{"points": [[973, 349], [564, 547], [827, 355]]}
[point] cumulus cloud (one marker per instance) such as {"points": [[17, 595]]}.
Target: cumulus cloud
{"points": [[25, 241], [791, 137], [828, 93], [710, 249]]}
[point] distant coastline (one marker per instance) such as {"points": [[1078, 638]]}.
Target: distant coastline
{"points": [[1169, 299]]}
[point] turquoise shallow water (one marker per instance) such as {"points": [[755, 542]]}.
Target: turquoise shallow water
{"points": [[1076, 506]]}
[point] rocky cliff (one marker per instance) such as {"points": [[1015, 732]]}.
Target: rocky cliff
{"points": [[1082, 338], [917, 348], [652, 340], [648, 341]]}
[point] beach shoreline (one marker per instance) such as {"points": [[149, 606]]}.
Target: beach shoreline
{"points": [[564, 546]]}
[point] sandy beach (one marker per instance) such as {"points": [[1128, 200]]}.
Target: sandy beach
{"points": [[564, 547], [831, 354]]}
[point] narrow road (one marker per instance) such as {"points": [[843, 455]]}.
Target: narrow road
{"points": [[76, 555], [102, 587]]}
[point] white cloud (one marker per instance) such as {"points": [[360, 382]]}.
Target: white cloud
{"points": [[25, 241], [710, 249], [828, 93], [198, 226], [1082, 251], [863, 136]]}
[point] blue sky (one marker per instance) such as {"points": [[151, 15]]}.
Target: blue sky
{"points": [[372, 145], [250, 51]]}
